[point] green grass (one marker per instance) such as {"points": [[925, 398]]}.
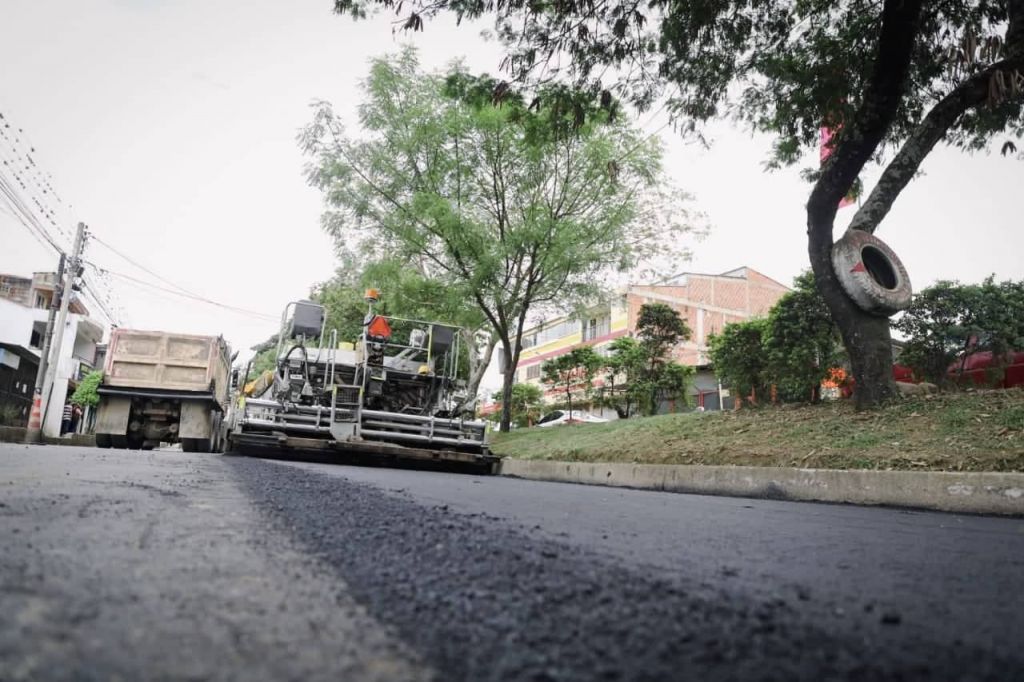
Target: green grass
{"points": [[972, 431]]}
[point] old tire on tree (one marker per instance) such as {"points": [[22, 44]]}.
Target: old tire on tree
{"points": [[871, 273]]}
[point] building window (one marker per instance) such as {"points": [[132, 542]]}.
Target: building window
{"points": [[36, 340], [554, 332], [533, 372], [596, 327], [41, 302]]}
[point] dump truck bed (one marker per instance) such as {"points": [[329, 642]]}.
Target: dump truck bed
{"points": [[164, 361]]}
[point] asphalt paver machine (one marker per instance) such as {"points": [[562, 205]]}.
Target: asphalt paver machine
{"points": [[393, 395]]}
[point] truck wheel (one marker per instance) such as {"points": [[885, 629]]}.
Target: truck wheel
{"points": [[103, 440]]}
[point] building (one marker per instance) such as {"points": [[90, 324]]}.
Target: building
{"points": [[706, 302], [24, 304]]}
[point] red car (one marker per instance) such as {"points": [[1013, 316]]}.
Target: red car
{"points": [[976, 368]]}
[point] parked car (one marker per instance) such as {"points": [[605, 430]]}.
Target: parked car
{"points": [[980, 369], [558, 417]]}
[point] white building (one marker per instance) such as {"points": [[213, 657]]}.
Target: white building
{"points": [[24, 304]]}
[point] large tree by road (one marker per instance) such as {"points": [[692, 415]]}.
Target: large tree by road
{"points": [[892, 77], [511, 206]]}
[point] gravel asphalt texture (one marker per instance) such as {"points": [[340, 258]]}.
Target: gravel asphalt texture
{"points": [[481, 597], [165, 565]]}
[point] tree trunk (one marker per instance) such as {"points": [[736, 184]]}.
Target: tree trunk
{"points": [[478, 364], [865, 336], [508, 379]]}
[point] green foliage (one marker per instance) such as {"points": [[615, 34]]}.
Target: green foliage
{"points": [[738, 357], [628, 361], [948, 320], [660, 328], [644, 364], [937, 329], [264, 360], [800, 342], [793, 349], [485, 199], [778, 66], [527, 403], [573, 371], [87, 392]]}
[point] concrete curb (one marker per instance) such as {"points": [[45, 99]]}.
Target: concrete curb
{"points": [[975, 493], [16, 434]]}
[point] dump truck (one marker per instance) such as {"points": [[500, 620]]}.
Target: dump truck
{"points": [[164, 387], [392, 395]]}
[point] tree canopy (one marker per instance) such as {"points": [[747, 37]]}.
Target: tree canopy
{"points": [[641, 371], [950, 320], [738, 357], [800, 342], [890, 79], [509, 205], [573, 371]]}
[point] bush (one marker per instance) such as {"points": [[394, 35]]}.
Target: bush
{"points": [[87, 393]]}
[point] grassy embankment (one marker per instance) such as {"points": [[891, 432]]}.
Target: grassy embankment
{"points": [[972, 431]]}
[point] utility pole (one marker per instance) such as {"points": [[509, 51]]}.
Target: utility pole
{"points": [[70, 274], [35, 420]]}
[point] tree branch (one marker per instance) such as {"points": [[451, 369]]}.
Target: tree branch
{"points": [[971, 93], [900, 27]]}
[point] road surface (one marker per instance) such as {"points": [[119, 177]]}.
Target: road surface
{"points": [[178, 566]]}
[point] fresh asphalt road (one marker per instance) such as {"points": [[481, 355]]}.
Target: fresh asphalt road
{"points": [[166, 565]]}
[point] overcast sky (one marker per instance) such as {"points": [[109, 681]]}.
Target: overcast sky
{"points": [[169, 128]]}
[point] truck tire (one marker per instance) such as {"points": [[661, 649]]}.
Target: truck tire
{"points": [[103, 440], [871, 273]]}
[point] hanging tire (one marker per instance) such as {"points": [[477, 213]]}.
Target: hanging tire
{"points": [[871, 274]]}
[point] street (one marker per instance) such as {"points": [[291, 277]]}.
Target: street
{"points": [[168, 565]]}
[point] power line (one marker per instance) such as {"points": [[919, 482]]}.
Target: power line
{"points": [[188, 295], [99, 303], [142, 267]]}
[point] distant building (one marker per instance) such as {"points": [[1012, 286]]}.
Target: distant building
{"points": [[24, 304], [706, 302]]}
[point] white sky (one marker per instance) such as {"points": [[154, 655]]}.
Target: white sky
{"points": [[170, 128]]}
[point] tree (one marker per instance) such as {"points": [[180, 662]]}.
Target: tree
{"points": [[572, 371], [660, 328], [937, 329], [892, 77], [628, 361], [87, 392], [649, 375], [738, 357], [508, 204], [527, 402], [950, 320], [800, 342]]}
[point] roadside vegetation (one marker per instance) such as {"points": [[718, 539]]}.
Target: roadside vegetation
{"points": [[957, 431]]}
